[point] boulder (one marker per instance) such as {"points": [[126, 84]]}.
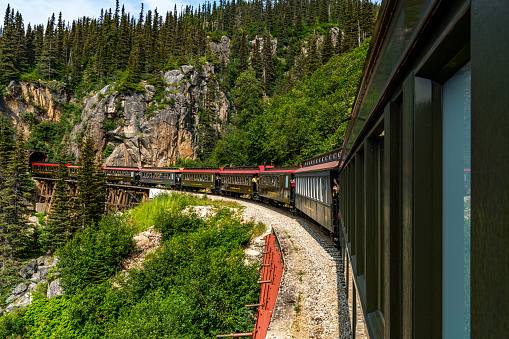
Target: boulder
{"points": [[186, 69], [21, 303], [43, 272], [32, 266], [32, 287], [11, 298], [40, 261], [29, 269], [19, 289], [173, 77], [35, 278], [24, 273], [55, 289]]}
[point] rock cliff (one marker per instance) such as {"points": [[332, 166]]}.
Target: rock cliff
{"points": [[150, 128], [23, 101]]}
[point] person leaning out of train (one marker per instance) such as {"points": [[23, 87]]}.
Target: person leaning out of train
{"points": [[335, 188], [255, 183]]}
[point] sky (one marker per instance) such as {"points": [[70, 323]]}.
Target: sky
{"points": [[38, 11]]}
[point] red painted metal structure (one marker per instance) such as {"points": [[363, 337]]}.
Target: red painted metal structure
{"points": [[272, 272]]}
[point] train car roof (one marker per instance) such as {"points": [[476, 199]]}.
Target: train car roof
{"points": [[253, 171], [161, 170], [281, 170], [198, 170], [45, 163], [320, 167], [122, 168]]}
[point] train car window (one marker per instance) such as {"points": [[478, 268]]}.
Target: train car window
{"points": [[456, 217], [321, 190], [286, 185]]}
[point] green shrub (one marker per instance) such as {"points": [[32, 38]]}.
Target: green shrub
{"points": [[12, 325], [108, 150], [92, 255], [203, 278], [194, 286], [109, 125], [171, 222], [49, 318]]}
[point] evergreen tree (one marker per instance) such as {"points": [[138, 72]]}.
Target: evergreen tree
{"points": [[312, 60], [256, 60], [132, 78], [91, 187], [49, 54], [59, 227], [327, 48], [290, 55], [15, 196], [8, 51], [21, 52], [243, 53], [350, 39]]}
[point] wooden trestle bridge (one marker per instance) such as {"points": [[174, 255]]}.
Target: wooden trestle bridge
{"points": [[119, 197]]}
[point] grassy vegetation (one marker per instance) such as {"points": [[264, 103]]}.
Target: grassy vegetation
{"points": [[147, 214], [194, 286]]}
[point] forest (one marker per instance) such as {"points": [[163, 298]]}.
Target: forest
{"points": [[281, 43]]}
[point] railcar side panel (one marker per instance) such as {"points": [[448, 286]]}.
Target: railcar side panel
{"points": [[197, 181], [157, 178], [239, 184], [313, 197], [276, 186]]}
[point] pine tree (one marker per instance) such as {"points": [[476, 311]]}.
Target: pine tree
{"points": [[91, 187], [8, 50], [15, 195], [290, 56], [207, 136], [59, 227], [268, 16], [243, 53], [312, 60], [327, 48], [49, 54], [21, 52]]}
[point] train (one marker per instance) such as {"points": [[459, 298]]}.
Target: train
{"points": [[306, 189]]}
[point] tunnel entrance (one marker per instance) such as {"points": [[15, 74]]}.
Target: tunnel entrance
{"points": [[37, 156]]}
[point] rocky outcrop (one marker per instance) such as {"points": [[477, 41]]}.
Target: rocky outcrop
{"points": [[55, 289], [221, 48], [150, 128], [24, 102], [21, 295]]}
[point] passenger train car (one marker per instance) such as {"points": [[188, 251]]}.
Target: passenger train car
{"points": [[314, 184], [158, 176], [278, 185], [306, 189]]}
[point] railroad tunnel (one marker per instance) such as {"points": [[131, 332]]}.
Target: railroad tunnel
{"points": [[37, 156]]}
